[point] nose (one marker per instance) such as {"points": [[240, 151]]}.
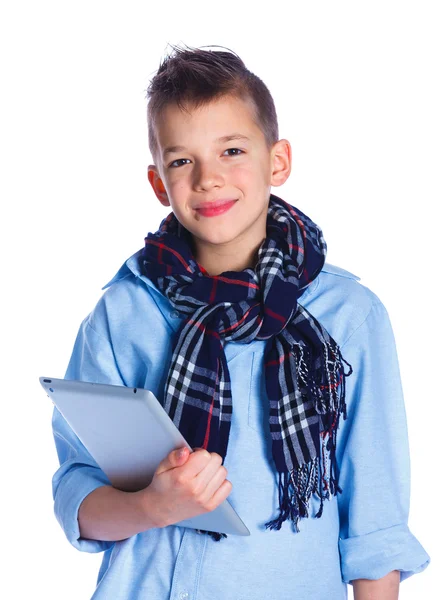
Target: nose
{"points": [[207, 176]]}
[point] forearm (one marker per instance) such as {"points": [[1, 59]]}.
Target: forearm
{"points": [[109, 515], [386, 588]]}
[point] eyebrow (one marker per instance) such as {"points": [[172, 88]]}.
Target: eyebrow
{"points": [[222, 140]]}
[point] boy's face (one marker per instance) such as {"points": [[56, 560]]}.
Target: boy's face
{"points": [[197, 170]]}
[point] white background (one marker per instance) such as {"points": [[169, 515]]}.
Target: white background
{"points": [[357, 86]]}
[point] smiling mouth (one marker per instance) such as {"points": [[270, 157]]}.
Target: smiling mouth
{"points": [[214, 209]]}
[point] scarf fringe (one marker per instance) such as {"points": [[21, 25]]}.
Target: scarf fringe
{"points": [[296, 489], [213, 534], [319, 477]]}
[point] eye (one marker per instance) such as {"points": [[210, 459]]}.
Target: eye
{"points": [[236, 150], [173, 165]]}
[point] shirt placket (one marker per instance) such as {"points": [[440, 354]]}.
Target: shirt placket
{"points": [[188, 565]]}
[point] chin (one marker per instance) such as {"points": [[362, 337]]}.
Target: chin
{"points": [[218, 240], [210, 235]]}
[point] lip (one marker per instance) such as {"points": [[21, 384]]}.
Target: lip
{"points": [[213, 209], [215, 203]]}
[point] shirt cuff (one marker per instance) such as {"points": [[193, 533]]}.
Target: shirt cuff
{"points": [[376, 554], [71, 492]]}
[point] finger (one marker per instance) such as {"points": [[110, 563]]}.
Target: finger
{"points": [[206, 474], [196, 463], [220, 495], [174, 459], [215, 482]]}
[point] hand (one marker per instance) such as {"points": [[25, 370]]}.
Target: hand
{"points": [[187, 484]]}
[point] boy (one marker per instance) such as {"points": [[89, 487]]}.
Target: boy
{"points": [[279, 368]]}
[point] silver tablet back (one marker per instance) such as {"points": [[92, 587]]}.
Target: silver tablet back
{"points": [[128, 433]]}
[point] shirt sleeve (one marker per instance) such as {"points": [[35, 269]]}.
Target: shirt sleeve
{"points": [[78, 475], [373, 456]]}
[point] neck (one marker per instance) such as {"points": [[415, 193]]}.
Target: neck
{"points": [[218, 260]]}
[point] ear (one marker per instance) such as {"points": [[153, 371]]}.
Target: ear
{"points": [[157, 185], [281, 162]]}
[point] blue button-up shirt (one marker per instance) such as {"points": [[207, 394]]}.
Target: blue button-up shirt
{"points": [[363, 533]]}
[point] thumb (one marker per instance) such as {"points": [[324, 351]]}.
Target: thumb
{"points": [[176, 458]]}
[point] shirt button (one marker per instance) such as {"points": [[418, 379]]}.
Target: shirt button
{"points": [[183, 596], [174, 314]]}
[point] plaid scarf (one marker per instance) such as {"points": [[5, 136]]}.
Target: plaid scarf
{"points": [[304, 370]]}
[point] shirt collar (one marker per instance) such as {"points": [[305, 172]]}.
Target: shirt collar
{"points": [[128, 268]]}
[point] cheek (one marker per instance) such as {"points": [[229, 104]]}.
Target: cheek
{"points": [[250, 174], [243, 175], [177, 189]]}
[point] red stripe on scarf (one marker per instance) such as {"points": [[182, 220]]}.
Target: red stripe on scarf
{"points": [[237, 282], [213, 292], [201, 328], [272, 363], [203, 270], [333, 385], [274, 315], [295, 247], [177, 254]]}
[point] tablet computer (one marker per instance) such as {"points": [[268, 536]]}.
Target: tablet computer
{"points": [[128, 433]]}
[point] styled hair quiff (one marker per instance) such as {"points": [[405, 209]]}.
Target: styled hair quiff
{"points": [[196, 77]]}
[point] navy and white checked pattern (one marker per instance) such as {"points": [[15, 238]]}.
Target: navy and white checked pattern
{"points": [[304, 370]]}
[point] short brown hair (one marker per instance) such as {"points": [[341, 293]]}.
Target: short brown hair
{"points": [[196, 76]]}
